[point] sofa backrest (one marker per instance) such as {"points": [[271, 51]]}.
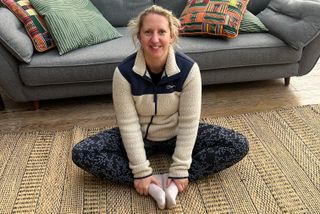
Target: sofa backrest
{"points": [[176, 6], [119, 12], [256, 6]]}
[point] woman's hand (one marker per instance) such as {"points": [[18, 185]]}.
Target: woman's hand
{"points": [[142, 185], [180, 183]]}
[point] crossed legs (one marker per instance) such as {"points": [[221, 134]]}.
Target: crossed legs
{"points": [[216, 149]]}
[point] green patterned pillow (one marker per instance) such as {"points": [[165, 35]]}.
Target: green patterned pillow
{"points": [[251, 24], [74, 23]]}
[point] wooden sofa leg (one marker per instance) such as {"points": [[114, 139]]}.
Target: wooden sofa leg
{"points": [[1, 103], [36, 104], [286, 81]]}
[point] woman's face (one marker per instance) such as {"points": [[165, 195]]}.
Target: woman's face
{"points": [[155, 37]]}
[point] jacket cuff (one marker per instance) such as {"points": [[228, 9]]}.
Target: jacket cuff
{"points": [[137, 178], [177, 177], [139, 174], [174, 173]]}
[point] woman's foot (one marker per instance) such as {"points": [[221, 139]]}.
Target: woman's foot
{"points": [[157, 193], [171, 192]]}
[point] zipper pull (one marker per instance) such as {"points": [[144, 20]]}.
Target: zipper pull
{"points": [[155, 100]]}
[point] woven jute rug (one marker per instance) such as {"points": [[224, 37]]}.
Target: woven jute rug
{"points": [[281, 173]]}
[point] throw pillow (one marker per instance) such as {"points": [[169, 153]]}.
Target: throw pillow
{"points": [[212, 17], [75, 23], [251, 24], [33, 23], [295, 22]]}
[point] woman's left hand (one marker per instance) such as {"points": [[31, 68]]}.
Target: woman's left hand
{"points": [[180, 183]]}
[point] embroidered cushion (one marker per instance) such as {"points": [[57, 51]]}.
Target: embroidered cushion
{"points": [[33, 23], [212, 17], [75, 23], [251, 24]]}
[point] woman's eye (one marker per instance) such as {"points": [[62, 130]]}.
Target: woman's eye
{"points": [[162, 32]]}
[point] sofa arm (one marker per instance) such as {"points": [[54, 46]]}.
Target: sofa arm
{"points": [[9, 78], [310, 56], [296, 22]]}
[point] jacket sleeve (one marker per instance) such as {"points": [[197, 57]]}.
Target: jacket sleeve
{"points": [[189, 116], [128, 122]]}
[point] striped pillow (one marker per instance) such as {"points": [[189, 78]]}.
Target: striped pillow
{"points": [[251, 24], [33, 23], [212, 17], [75, 23]]}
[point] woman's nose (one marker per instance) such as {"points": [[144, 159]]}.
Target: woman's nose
{"points": [[155, 37]]}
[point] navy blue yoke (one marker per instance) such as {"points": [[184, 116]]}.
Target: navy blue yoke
{"points": [[141, 85]]}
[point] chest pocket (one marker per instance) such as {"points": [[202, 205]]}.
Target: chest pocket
{"points": [[168, 103], [144, 104]]}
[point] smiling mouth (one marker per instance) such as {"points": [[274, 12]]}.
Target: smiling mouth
{"points": [[155, 47]]}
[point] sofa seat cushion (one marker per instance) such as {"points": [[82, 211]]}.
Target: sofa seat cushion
{"points": [[245, 50], [90, 64], [97, 63]]}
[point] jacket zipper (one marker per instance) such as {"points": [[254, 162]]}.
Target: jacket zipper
{"points": [[155, 100]]}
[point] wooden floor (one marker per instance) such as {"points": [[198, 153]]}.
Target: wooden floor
{"points": [[218, 100]]}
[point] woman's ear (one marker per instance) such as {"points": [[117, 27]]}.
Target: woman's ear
{"points": [[138, 37], [172, 39]]}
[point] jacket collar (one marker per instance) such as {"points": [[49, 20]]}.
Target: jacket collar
{"points": [[171, 68]]}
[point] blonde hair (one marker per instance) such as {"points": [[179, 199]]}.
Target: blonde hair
{"points": [[135, 24]]}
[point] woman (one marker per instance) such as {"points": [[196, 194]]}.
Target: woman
{"points": [[157, 101]]}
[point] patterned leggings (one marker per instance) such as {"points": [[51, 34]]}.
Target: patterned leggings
{"points": [[216, 148]]}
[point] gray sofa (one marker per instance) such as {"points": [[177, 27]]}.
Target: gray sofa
{"points": [[88, 71]]}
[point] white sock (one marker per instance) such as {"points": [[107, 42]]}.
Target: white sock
{"points": [[171, 193], [157, 193]]}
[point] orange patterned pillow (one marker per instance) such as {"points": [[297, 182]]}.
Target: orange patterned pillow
{"points": [[33, 23], [212, 17]]}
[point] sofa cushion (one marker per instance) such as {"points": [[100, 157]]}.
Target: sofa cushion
{"points": [[97, 63], [119, 12], [90, 64], [251, 24], [14, 37], [75, 24], [212, 17], [256, 6], [175, 6], [33, 23], [298, 21], [245, 50]]}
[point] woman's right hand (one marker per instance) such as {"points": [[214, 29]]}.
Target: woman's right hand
{"points": [[142, 185]]}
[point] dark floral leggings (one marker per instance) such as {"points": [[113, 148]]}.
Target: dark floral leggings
{"points": [[216, 148]]}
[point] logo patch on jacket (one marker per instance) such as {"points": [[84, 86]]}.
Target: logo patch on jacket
{"points": [[168, 87]]}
